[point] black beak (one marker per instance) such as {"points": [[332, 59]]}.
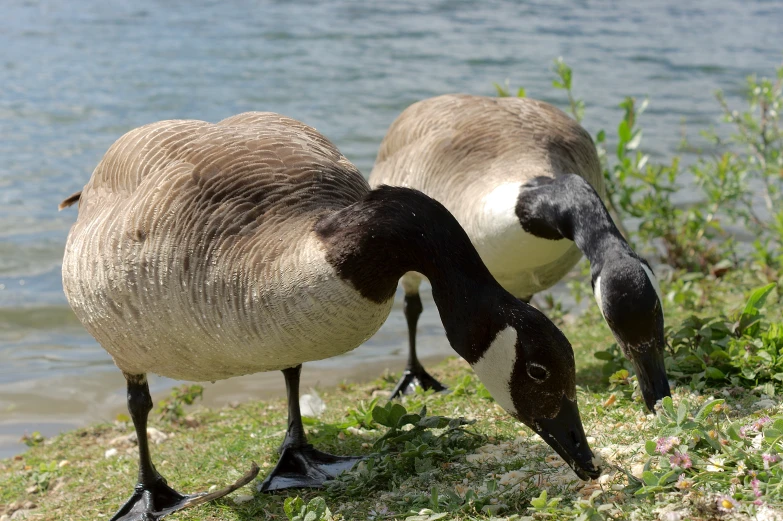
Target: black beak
{"points": [[565, 434], [651, 374]]}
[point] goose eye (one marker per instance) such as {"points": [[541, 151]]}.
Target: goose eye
{"points": [[537, 372]]}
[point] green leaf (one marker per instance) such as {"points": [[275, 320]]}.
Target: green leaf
{"points": [[540, 501], [706, 409], [667, 478], [713, 373], [682, 413], [501, 91], [381, 415], [649, 447], [600, 137], [293, 506], [408, 419], [624, 132], [604, 355], [668, 406], [521, 93], [750, 314], [649, 478], [397, 411], [733, 434]]}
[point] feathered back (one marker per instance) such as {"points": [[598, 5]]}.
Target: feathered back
{"points": [[455, 145]]}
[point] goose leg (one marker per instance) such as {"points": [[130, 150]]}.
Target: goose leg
{"points": [[414, 373], [301, 465], [153, 498]]}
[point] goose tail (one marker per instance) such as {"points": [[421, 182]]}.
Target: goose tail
{"points": [[70, 200]]}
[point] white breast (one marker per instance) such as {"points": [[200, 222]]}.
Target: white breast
{"points": [[511, 254]]}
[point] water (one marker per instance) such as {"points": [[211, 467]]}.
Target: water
{"points": [[75, 78]]}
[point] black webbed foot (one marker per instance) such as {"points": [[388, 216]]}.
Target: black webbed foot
{"points": [[411, 378], [150, 503], [305, 467]]}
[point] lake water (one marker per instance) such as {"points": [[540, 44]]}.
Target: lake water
{"points": [[76, 76]]}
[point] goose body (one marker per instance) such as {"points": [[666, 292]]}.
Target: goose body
{"points": [[204, 251], [525, 182], [184, 234]]}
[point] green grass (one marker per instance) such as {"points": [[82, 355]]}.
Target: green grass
{"points": [[69, 476]]}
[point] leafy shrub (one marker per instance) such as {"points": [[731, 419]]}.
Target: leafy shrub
{"points": [[173, 408], [409, 447], [316, 510], [744, 349]]}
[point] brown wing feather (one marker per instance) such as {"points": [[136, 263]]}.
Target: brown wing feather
{"points": [[194, 240], [447, 144]]}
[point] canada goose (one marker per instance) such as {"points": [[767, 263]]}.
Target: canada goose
{"points": [[205, 251], [525, 182]]}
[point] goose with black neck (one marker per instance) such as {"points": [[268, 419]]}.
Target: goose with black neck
{"points": [[205, 251], [525, 182]]}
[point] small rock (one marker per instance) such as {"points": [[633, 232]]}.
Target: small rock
{"points": [[14, 506], [190, 421], [58, 484], [242, 498], [380, 393], [156, 436], [637, 470], [20, 514], [212, 488], [110, 453], [764, 404], [603, 480], [153, 434], [63, 463], [311, 405], [5, 517], [31, 490], [29, 505]]}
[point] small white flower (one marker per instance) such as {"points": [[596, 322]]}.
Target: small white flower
{"points": [[757, 441], [715, 464]]}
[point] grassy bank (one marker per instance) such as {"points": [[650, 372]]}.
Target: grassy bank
{"points": [[493, 467]]}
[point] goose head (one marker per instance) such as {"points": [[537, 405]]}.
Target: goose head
{"points": [[528, 367], [629, 298]]}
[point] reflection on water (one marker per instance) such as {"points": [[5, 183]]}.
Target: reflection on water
{"points": [[74, 80]]}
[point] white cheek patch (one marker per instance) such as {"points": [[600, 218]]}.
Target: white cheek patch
{"points": [[496, 366], [597, 293]]}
